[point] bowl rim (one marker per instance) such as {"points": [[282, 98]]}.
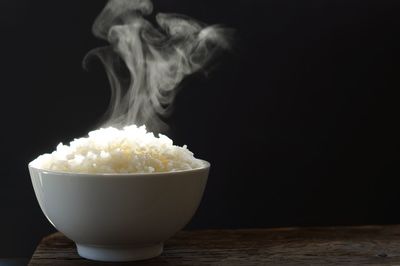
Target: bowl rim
{"points": [[206, 166]]}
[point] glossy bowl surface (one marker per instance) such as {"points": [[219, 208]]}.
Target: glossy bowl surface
{"points": [[119, 217]]}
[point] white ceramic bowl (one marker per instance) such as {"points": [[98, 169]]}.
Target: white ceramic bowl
{"points": [[119, 217]]}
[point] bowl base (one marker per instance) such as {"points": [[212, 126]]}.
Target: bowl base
{"points": [[117, 253]]}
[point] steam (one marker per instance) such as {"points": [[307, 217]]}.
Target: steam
{"points": [[145, 63]]}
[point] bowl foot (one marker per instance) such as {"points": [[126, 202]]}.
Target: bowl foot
{"points": [[116, 253]]}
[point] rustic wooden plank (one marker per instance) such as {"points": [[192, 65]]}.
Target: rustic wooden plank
{"points": [[363, 245]]}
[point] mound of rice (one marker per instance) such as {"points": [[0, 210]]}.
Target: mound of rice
{"points": [[110, 150]]}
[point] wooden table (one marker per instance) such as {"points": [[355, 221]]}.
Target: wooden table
{"points": [[363, 245]]}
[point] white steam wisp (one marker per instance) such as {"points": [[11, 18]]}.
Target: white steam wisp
{"points": [[145, 63]]}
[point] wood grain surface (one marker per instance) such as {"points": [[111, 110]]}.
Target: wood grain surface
{"points": [[361, 245]]}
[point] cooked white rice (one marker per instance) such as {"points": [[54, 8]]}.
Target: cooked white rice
{"points": [[110, 150]]}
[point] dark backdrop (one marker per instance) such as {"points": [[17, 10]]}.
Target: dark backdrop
{"points": [[300, 120]]}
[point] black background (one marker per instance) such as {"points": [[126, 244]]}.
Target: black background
{"points": [[300, 120]]}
